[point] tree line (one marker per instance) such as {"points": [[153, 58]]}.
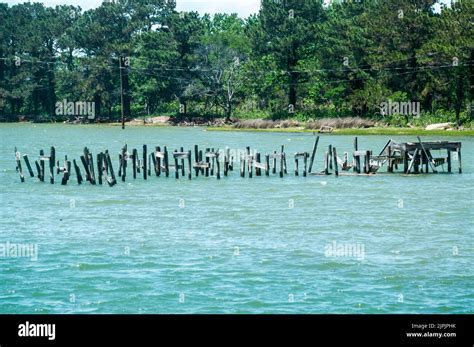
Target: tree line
{"points": [[294, 59]]}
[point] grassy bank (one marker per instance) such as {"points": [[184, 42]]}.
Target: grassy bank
{"points": [[359, 131]]}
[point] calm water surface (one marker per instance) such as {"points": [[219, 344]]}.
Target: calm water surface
{"points": [[235, 245]]}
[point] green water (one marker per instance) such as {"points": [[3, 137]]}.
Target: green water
{"points": [[232, 245]]}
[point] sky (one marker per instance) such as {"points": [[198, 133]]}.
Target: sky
{"points": [[243, 7]]}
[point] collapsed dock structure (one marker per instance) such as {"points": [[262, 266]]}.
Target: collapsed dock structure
{"points": [[406, 158]]}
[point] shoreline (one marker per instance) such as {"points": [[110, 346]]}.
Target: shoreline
{"points": [[343, 131]]}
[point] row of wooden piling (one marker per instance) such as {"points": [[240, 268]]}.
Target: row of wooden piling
{"points": [[208, 162]]}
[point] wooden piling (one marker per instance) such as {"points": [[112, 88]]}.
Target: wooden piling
{"points": [[52, 162], [100, 166], [67, 172], [258, 171], [356, 158], [190, 165], [123, 163], [153, 162], [78, 172], [267, 163], [326, 163], [313, 154], [86, 168], [176, 165], [218, 166], [242, 167], [18, 166], [183, 173], [41, 166], [196, 158], [134, 163], [145, 162], [390, 160], [158, 161], [282, 164], [207, 162], [330, 156], [412, 162], [110, 169], [367, 162], [305, 164], [166, 160], [285, 169], [28, 166], [226, 161], [458, 150], [336, 169], [274, 162], [296, 166], [405, 161], [200, 161], [38, 170]]}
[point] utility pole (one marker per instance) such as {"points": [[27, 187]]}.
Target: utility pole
{"points": [[121, 92]]}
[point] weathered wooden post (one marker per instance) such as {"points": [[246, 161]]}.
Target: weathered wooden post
{"points": [[207, 162], [249, 162], [123, 163], [458, 150], [183, 173], [42, 165], [176, 165], [134, 162], [166, 160], [190, 166], [326, 163], [153, 162], [52, 162], [78, 172], [201, 160], [367, 162], [296, 164], [267, 164], [18, 165], [100, 166], [448, 159], [334, 154], [330, 156], [390, 160], [196, 159], [405, 161], [356, 157], [67, 171], [226, 161], [27, 162], [218, 166], [86, 168], [285, 169], [145, 163], [313, 154], [305, 163], [258, 171], [242, 167], [158, 161], [110, 169], [274, 162], [282, 164]]}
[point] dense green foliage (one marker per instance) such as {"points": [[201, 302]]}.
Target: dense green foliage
{"points": [[295, 59]]}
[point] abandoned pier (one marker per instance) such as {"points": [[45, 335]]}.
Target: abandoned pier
{"points": [[405, 158]]}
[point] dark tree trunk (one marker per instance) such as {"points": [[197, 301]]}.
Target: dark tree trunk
{"points": [[97, 104]]}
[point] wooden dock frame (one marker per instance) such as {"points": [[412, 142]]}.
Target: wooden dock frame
{"points": [[416, 158], [416, 155]]}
